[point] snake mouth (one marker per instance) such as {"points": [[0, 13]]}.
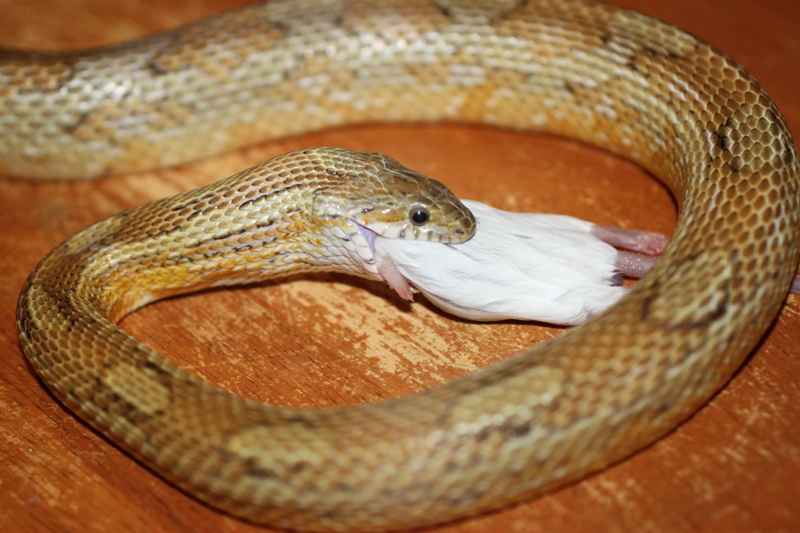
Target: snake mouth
{"points": [[377, 261]]}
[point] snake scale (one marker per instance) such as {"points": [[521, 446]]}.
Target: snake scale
{"points": [[610, 77]]}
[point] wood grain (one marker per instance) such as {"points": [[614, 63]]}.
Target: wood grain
{"points": [[328, 340]]}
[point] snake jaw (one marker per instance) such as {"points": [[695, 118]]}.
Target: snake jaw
{"points": [[354, 245], [451, 224], [381, 263]]}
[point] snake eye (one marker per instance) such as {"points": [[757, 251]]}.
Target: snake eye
{"points": [[419, 215]]}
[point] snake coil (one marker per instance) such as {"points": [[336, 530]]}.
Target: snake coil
{"points": [[587, 71]]}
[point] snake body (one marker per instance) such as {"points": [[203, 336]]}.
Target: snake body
{"points": [[603, 75]]}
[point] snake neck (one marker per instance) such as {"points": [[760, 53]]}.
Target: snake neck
{"points": [[117, 266], [116, 273]]}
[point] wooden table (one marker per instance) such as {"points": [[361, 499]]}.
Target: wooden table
{"points": [[330, 340]]}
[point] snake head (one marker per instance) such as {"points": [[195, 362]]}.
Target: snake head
{"points": [[394, 202], [373, 196]]}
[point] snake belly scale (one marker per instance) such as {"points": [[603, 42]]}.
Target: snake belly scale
{"points": [[610, 77]]}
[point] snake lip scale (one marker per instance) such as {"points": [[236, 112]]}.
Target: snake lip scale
{"points": [[610, 77]]}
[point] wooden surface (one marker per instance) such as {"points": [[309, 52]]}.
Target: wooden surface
{"points": [[324, 341]]}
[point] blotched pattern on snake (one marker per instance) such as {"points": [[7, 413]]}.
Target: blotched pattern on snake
{"points": [[603, 75]]}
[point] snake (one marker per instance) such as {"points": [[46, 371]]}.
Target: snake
{"points": [[547, 416]]}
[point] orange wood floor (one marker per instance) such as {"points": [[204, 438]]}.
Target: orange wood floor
{"points": [[326, 341]]}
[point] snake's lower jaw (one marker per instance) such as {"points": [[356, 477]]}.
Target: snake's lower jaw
{"points": [[391, 275], [380, 264]]}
